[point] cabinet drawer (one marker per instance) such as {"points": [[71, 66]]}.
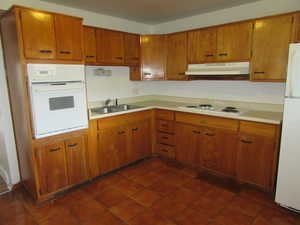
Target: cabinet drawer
{"points": [[165, 126], [260, 129], [210, 121], [164, 114], [167, 139], [166, 151]]}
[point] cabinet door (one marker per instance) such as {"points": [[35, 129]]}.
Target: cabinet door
{"points": [[76, 159], [271, 40], [110, 47], [69, 35], [135, 73], [154, 57], [296, 28], [89, 37], [132, 49], [52, 166], [38, 34], [112, 148], [188, 144], [234, 42], [92, 150], [177, 56], [140, 141], [202, 45], [255, 160]]}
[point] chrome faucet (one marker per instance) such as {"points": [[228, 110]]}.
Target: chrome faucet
{"points": [[107, 101]]}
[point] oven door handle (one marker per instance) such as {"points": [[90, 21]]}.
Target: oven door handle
{"points": [[37, 88]]}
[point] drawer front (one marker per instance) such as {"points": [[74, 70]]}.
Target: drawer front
{"points": [[167, 139], [164, 114], [166, 151], [165, 126], [210, 121], [260, 129]]}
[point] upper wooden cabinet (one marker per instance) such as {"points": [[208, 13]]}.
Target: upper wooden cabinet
{"points": [[296, 28], [110, 47], [90, 48], [177, 56], [271, 40], [68, 31], [234, 42], [202, 45], [154, 56], [132, 49], [38, 34]]}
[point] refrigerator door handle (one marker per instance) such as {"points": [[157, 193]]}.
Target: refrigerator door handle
{"points": [[293, 78]]}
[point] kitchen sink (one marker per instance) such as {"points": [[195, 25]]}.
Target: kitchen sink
{"points": [[114, 108]]}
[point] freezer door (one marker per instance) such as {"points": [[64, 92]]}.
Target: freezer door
{"points": [[288, 181], [293, 77]]}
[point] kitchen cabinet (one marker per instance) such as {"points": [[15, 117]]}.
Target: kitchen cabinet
{"points": [[38, 34], [76, 159], [92, 150], [69, 33], [271, 40], [177, 56], [202, 45], [132, 49], [234, 42], [153, 57], [296, 36], [110, 47], [90, 48], [135, 73], [188, 144], [52, 167]]}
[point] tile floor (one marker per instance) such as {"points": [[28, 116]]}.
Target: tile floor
{"points": [[152, 192], [3, 186]]}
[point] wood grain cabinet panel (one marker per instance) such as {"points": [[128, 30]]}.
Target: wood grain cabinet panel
{"points": [[165, 126], [188, 144], [110, 47], [202, 45], [76, 159], [177, 56], [92, 150], [52, 167], [271, 40], [296, 28], [132, 49], [256, 155], [90, 48], [38, 34], [234, 42], [69, 37], [154, 56], [135, 73]]}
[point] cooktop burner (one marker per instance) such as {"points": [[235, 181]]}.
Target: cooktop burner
{"points": [[230, 109], [205, 106]]}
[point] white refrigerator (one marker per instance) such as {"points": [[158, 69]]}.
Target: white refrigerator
{"points": [[288, 180]]}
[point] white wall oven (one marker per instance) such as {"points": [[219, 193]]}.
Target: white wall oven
{"points": [[58, 98]]}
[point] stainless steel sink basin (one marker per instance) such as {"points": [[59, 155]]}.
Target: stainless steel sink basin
{"points": [[112, 109]]}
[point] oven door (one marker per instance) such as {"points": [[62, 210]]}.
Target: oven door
{"points": [[58, 108]]}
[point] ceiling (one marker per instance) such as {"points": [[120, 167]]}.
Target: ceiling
{"points": [[151, 11]]}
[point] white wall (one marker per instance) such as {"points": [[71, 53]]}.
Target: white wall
{"points": [[246, 11]]}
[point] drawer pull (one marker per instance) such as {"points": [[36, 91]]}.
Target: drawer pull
{"points": [[164, 150], [223, 54], [164, 137], [72, 145], [54, 149], [165, 125], [135, 129], [121, 132], [196, 132], [135, 58], [120, 58], [90, 56], [246, 142], [181, 74], [259, 72], [46, 51], [147, 74], [209, 134], [209, 55], [65, 52]]}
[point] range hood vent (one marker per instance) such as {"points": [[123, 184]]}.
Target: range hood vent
{"points": [[219, 69]]}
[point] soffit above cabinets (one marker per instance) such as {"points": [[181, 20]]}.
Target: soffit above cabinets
{"points": [[151, 12]]}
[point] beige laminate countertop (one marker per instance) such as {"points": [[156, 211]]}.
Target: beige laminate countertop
{"points": [[249, 115]]}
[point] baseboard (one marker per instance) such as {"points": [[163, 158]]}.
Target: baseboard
{"points": [[5, 177]]}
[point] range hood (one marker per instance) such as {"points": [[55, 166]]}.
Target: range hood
{"points": [[213, 69]]}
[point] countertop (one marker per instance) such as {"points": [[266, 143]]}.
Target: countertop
{"points": [[249, 115]]}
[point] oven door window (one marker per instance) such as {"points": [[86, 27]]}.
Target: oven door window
{"points": [[59, 103]]}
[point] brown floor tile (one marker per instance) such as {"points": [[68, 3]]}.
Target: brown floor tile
{"points": [[128, 187], [191, 217], [146, 197], [220, 195], [207, 206], [277, 216], [198, 185], [185, 196], [230, 217], [111, 197], [163, 188], [63, 217], [248, 207], [147, 179], [107, 218], [149, 218], [261, 197], [168, 207], [127, 210]]}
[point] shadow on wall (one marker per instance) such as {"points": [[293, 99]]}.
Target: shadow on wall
{"points": [[3, 159]]}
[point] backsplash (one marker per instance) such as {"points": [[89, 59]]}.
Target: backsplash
{"points": [[119, 86]]}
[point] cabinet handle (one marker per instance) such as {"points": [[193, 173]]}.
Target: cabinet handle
{"points": [[135, 129], [246, 142], [72, 145], [45, 51], [90, 56], [196, 132], [164, 125], [209, 55], [119, 58], [211, 135], [65, 52], [147, 74], [223, 54], [54, 149], [259, 72], [135, 58], [121, 132], [181, 74], [164, 150], [164, 137]]}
